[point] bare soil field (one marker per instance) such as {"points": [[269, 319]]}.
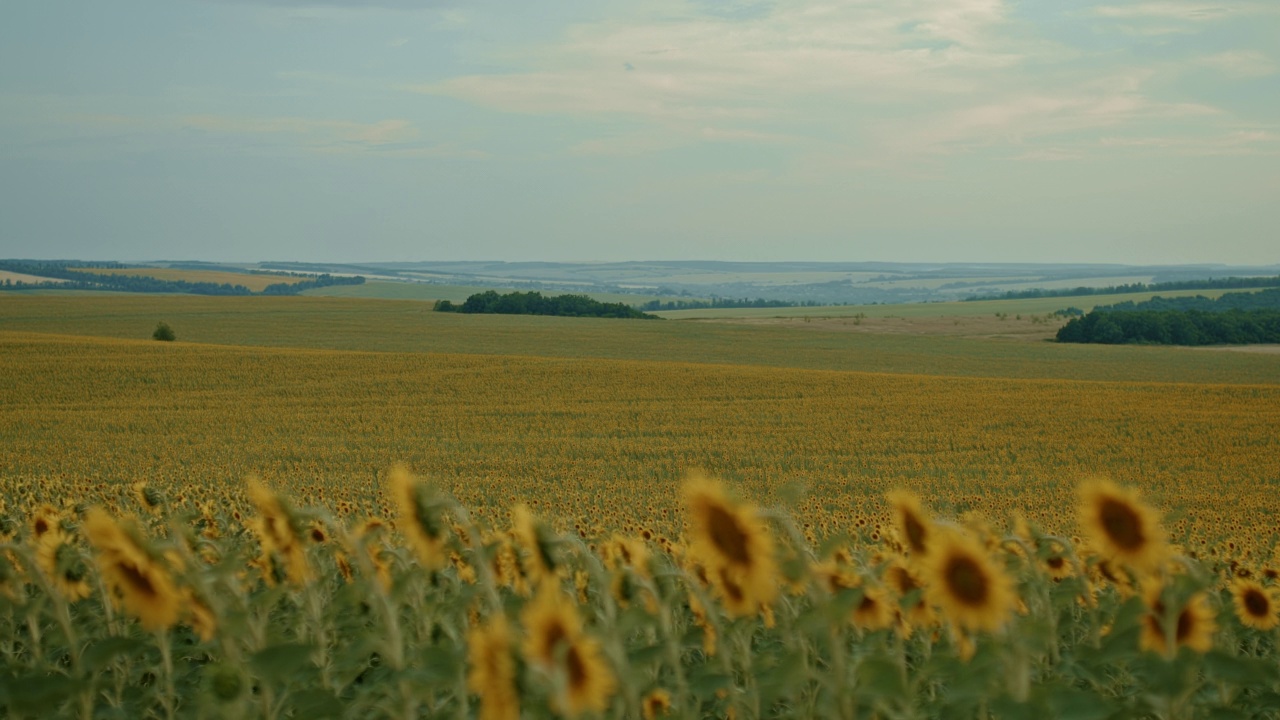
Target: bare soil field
{"points": [[1263, 349], [954, 326], [23, 277]]}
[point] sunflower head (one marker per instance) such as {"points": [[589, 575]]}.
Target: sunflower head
{"points": [[589, 683], [549, 620], [492, 670], [1257, 606], [138, 579], [733, 543], [1171, 623], [962, 579], [913, 524], [279, 532], [875, 611], [421, 516], [61, 562], [656, 704], [537, 541], [45, 519], [1121, 526], [151, 499]]}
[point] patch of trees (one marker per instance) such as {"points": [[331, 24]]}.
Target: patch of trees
{"points": [[1227, 283], [1174, 327], [74, 277], [319, 281], [1262, 300], [535, 303], [656, 305]]}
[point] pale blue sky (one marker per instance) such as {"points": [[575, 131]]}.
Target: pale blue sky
{"points": [[931, 130]]}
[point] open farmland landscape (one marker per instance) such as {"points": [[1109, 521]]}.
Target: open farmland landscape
{"points": [[345, 506]]}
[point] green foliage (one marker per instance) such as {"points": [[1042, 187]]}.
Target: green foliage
{"points": [[164, 332], [348, 643], [534, 303], [1209, 284], [1174, 327]]}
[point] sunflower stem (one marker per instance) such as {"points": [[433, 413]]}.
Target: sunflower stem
{"points": [[169, 694]]}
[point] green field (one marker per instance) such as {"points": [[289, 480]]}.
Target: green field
{"points": [[409, 326], [395, 290], [1028, 306]]}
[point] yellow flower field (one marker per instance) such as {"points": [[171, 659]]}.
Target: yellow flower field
{"points": [[599, 445], [221, 531]]}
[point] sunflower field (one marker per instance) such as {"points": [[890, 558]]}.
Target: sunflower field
{"points": [[222, 531], [287, 612]]}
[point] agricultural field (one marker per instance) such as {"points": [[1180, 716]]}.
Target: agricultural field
{"points": [[430, 292], [312, 507], [255, 282], [977, 308], [412, 327]]}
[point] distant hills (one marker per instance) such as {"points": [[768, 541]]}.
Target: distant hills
{"points": [[823, 283]]}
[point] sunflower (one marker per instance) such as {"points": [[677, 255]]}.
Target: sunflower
{"points": [[549, 621], [1193, 625], [148, 497], [874, 611], [493, 670], [735, 545], [589, 683], [915, 611], [970, 588], [45, 519], [199, 616], [914, 526], [701, 619], [10, 576], [57, 558], [420, 517], [368, 539], [1058, 566], [278, 531], [1121, 526], [622, 552], [834, 576], [139, 582], [1257, 607], [656, 704], [536, 540]]}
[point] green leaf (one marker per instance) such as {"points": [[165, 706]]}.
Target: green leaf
{"points": [[101, 653], [280, 662], [1073, 704], [647, 655], [439, 663], [704, 684], [315, 704], [41, 695], [1239, 671], [1006, 708], [882, 678], [1119, 645]]}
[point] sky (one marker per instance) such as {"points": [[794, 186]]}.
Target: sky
{"points": [[602, 130]]}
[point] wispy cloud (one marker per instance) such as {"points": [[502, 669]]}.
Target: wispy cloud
{"points": [[1241, 63], [317, 131], [915, 78]]}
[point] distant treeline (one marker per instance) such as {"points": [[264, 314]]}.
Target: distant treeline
{"points": [[534, 303], [1268, 299], [1234, 319], [75, 278], [1227, 283], [319, 281], [656, 305]]}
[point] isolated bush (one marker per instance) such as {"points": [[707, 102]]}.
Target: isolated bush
{"points": [[164, 332]]}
